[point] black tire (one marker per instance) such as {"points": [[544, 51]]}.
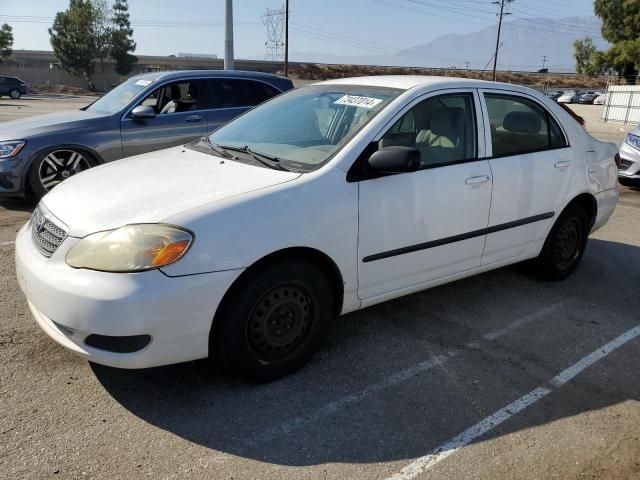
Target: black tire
{"points": [[273, 320], [43, 168], [14, 93], [565, 245]]}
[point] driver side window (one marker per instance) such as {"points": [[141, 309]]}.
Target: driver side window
{"points": [[442, 128], [176, 97]]}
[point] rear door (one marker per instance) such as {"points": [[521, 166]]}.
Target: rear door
{"points": [[178, 126], [231, 97], [532, 166]]}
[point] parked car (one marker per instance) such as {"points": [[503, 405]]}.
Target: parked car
{"points": [[569, 97], [600, 99], [553, 95], [629, 163], [12, 87], [587, 98], [330, 198], [148, 112]]}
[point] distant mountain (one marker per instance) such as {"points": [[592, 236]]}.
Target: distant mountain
{"points": [[524, 43]]}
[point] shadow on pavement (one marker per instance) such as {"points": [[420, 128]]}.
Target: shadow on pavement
{"points": [[18, 204], [304, 419]]}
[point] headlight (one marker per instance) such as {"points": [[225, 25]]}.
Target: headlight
{"points": [[633, 140], [132, 248], [11, 149]]}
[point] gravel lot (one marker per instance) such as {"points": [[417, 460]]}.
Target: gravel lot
{"points": [[461, 381]]}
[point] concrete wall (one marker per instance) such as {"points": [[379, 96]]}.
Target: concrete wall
{"points": [[34, 67]]}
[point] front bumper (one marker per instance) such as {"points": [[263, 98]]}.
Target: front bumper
{"points": [[71, 304], [13, 173], [631, 162]]}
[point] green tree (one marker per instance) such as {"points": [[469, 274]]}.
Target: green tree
{"points": [[621, 28], [6, 41], [72, 39], [122, 44], [585, 54], [102, 30]]}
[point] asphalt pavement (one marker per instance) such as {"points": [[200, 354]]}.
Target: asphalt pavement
{"points": [[498, 376]]}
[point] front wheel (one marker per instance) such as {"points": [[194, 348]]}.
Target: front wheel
{"points": [[565, 245], [53, 167], [15, 94], [273, 321]]}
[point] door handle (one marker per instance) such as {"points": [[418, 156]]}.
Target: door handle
{"points": [[562, 164], [476, 181], [193, 119]]}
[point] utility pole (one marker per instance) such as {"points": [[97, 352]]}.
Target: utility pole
{"points": [[544, 61], [466, 65], [228, 35], [286, 39], [501, 15]]}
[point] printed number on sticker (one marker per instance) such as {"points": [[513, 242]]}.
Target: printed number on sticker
{"points": [[357, 101]]}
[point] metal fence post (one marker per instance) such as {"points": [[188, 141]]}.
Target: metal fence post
{"points": [[629, 107]]}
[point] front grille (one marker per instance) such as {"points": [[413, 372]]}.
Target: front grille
{"points": [[47, 231]]}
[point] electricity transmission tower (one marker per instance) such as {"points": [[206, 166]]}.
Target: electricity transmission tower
{"points": [[274, 20], [501, 15], [544, 61]]}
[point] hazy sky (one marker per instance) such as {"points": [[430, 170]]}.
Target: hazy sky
{"points": [[341, 27]]}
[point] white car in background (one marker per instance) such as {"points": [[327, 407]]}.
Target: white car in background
{"points": [[600, 99], [244, 245], [629, 164], [569, 97]]}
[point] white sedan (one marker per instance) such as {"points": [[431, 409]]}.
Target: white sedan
{"points": [[244, 245]]}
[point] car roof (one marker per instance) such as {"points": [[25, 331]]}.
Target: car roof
{"points": [[406, 82], [168, 75]]}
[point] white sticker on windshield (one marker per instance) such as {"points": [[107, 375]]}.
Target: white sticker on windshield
{"points": [[357, 101], [143, 83]]}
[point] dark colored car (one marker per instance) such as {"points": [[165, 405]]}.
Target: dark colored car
{"points": [[147, 112], [587, 98], [12, 87]]}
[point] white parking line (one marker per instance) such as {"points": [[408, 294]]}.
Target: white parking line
{"points": [[422, 464], [7, 243], [390, 381]]}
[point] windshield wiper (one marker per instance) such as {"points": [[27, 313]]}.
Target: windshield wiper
{"points": [[215, 147], [263, 158]]}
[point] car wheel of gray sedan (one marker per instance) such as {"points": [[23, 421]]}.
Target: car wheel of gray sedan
{"points": [[15, 94], [56, 166]]}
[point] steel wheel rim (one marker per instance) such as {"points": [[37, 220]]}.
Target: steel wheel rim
{"points": [[59, 165], [566, 247], [280, 321]]}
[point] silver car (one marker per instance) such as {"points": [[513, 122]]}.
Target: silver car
{"points": [[147, 112], [629, 167]]}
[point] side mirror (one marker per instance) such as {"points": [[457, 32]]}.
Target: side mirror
{"points": [[395, 159], [143, 111]]}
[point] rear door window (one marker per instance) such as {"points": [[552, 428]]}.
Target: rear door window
{"points": [[519, 126], [228, 93]]}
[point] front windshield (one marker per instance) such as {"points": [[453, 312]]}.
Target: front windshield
{"points": [[119, 97], [305, 127]]}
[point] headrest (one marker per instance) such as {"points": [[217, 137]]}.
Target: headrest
{"points": [[175, 92], [522, 122], [445, 122], [193, 90]]}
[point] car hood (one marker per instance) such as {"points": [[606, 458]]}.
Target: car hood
{"points": [[152, 187], [50, 123]]}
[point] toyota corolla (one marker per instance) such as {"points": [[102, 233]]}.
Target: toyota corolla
{"points": [[244, 245]]}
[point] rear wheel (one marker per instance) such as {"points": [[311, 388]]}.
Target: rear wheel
{"points": [[14, 93], [55, 166], [273, 321], [565, 245]]}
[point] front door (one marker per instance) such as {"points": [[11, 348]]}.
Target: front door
{"points": [[532, 167], [415, 228], [180, 118]]}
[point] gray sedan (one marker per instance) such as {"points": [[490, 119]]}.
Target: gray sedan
{"points": [[629, 161], [148, 112]]}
